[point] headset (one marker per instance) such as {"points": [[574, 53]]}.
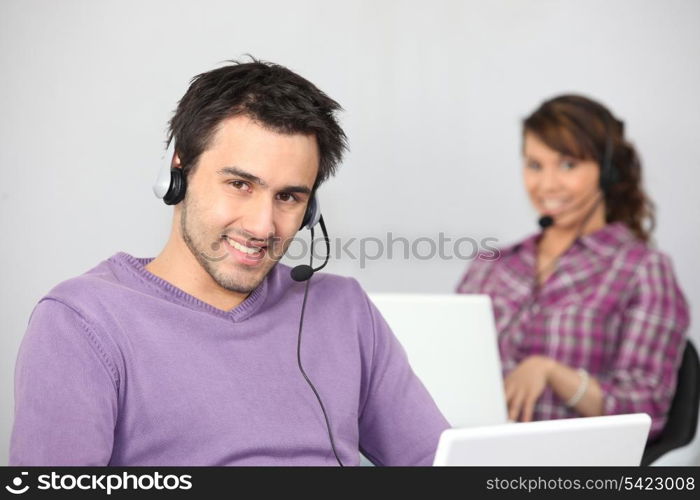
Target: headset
{"points": [[609, 174], [171, 185]]}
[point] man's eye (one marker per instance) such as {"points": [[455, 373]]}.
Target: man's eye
{"points": [[286, 197], [240, 185], [533, 165]]}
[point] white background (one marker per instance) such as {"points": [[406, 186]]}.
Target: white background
{"points": [[434, 93]]}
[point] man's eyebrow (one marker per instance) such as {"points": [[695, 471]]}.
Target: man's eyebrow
{"points": [[241, 173], [235, 171], [296, 189]]}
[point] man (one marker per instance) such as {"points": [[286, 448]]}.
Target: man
{"points": [[190, 358]]}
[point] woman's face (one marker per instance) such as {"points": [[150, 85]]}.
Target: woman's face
{"points": [[560, 186]]}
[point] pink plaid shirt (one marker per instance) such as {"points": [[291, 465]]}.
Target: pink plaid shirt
{"points": [[611, 306]]}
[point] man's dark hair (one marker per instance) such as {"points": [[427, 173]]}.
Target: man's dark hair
{"points": [[270, 94]]}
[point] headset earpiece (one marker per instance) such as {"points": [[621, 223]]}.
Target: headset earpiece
{"points": [[171, 185], [609, 176], [312, 214], [178, 187]]}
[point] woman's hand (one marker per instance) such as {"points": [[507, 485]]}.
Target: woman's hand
{"points": [[525, 384]]}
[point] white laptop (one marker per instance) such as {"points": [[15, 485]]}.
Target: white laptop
{"points": [[451, 344], [616, 440]]}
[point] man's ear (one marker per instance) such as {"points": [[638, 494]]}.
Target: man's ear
{"points": [[175, 161]]}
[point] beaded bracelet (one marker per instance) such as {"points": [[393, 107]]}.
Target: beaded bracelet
{"points": [[582, 388]]}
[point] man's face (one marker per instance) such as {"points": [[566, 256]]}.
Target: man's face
{"points": [[246, 199]]}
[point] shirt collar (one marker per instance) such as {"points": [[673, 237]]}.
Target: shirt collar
{"points": [[520, 257], [608, 239], [249, 306], [605, 241]]}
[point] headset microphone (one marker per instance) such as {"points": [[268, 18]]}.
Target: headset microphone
{"points": [[609, 175], [304, 272], [545, 221]]}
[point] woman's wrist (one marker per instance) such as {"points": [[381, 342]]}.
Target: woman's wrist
{"points": [[549, 365]]}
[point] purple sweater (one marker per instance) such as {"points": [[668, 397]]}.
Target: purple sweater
{"points": [[119, 367]]}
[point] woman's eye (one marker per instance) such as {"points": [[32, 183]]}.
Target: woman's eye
{"points": [[533, 165], [568, 164]]}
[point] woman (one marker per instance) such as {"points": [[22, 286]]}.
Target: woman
{"points": [[590, 317]]}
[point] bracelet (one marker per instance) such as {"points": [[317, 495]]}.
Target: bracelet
{"points": [[582, 388]]}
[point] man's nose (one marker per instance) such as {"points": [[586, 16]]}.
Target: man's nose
{"points": [[259, 220]]}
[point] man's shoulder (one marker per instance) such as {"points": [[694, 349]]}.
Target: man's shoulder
{"points": [[94, 284], [79, 308]]}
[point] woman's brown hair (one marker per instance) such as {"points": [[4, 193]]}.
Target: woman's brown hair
{"points": [[585, 129]]}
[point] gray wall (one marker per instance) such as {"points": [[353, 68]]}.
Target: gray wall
{"points": [[433, 93]]}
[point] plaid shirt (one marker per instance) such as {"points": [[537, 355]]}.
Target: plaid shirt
{"points": [[611, 306]]}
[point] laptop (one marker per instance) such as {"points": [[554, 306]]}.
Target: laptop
{"points": [[614, 440], [451, 344]]}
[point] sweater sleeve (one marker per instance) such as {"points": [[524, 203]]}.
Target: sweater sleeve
{"points": [[400, 423], [65, 392]]}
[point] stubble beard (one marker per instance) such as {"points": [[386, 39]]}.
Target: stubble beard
{"points": [[213, 264]]}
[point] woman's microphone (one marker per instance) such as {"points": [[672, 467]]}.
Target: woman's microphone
{"points": [[545, 221]]}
